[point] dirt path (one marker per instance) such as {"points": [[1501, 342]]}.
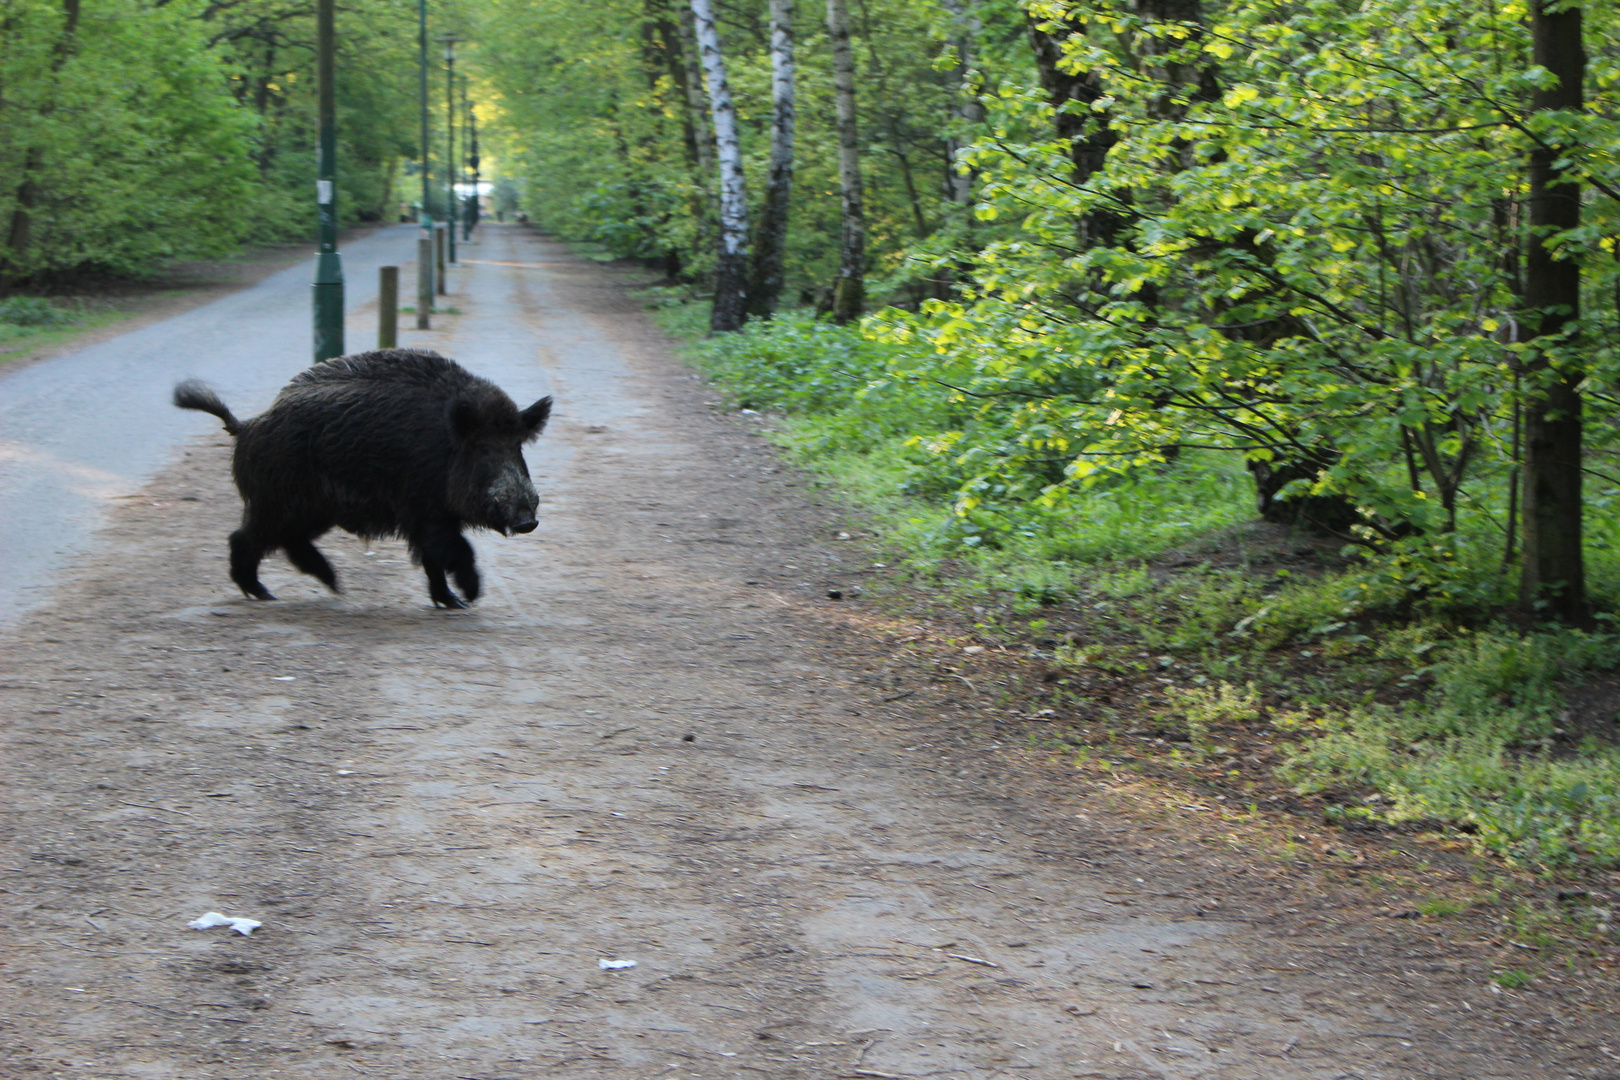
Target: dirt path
{"points": [[655, 740]]}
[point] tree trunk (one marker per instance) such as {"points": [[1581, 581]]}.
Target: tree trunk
{"points": [[731, 274], [686, 81], [966, 112], [1177, 76], [1087, 133], [679, 44], [1553, 579], [849, 292], [770, 245], [1330, 514]]}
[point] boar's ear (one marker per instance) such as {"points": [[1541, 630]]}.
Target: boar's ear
{"points": [[535, 416], [463, 416]]}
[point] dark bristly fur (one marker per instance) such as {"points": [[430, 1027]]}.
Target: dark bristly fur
{"points": [[398, 442], [193, 394]]}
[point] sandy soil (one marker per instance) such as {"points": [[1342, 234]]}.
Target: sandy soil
{"points": [[655, 740]]}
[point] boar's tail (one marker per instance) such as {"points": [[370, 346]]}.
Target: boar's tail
{"points": [[193, 394]]}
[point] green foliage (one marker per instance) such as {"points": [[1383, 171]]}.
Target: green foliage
{"points": [[32, 311], [1300, 249], [146, 131], [265, 49], [595, 118], [1201, 707], [1476, 752], [1513, 979], [883, 417], [799, 364], [1471, 745], [120, 145]]}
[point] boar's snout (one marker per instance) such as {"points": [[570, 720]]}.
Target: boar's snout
{"points": [[512, 500]]}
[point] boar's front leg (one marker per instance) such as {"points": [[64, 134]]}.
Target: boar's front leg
{"points": [[247, 550], [442, 548]]}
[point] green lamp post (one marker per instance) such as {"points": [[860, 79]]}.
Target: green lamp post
{"points": [[328, 264], [451, 173], [424, 243]]}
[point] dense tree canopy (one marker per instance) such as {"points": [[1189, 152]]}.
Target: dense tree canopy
{"points": [[133, 132]]}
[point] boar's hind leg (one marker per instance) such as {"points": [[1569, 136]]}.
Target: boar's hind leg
{"points": [[247, 549], [304, 555], [443, 548]]}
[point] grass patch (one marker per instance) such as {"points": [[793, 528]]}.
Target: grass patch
{"points": [[29, 324], [27, 312]]}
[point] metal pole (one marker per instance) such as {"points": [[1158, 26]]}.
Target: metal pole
{"points": [[450, 171], [328, 264], [474, 209], [424, 278], [424, 243], [438, 249], [387, 307]]}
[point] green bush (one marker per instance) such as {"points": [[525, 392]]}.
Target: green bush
{"points": [[32, 311]]}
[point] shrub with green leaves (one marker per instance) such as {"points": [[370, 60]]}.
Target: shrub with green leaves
{"points": [[32, 311], [887, 418]]}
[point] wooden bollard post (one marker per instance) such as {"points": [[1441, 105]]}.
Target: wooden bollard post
{"points": [[424, 281], [387, 307], [439, 234]]}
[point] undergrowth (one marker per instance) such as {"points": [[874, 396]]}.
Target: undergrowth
{"points": [[28, 323], [25, 316], [1389, 680]]}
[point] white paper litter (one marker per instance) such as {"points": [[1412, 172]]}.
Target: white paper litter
{"points": [[615, 965], [214, 918]]}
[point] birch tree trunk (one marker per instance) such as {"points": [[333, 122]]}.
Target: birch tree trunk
{"points": [[849, 291], [770, 244], [966, 112], [686, 72], [731, 274], [1553, 578]]}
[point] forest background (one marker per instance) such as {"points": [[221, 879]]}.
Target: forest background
{"points": [[1058, 292]]}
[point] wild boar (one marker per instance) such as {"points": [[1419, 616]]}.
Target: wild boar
{"points": [[397, 442]]}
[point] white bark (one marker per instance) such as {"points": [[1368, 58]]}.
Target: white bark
{"points": [[967, 112], [730, 297]]}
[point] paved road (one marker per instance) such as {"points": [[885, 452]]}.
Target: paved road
{"points": [[89, 428]]}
